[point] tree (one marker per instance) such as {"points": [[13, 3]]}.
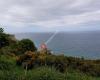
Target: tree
{"points": [[4, 40], [1, 30], [26, 45]]}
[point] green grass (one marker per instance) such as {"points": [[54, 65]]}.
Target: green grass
{"points": [[9, 71], [43, 73]]}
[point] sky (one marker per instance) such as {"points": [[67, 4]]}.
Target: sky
{"points": [[18, 16]]}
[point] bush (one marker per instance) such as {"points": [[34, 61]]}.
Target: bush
{"points": [[25, 45], [4, 40], [1, 30], [7, 63]]}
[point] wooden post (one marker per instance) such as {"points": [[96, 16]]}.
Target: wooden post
{"points": [[26, 70]]}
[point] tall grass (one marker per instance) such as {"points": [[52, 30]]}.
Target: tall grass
{"points": [[9, 71]]}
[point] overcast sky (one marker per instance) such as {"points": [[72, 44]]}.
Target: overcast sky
{"points": [[49, 15]]}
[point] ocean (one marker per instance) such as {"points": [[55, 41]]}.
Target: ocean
{"points": [[78, 44]]}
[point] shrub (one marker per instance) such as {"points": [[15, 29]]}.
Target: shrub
{"points": [[25, 45]]}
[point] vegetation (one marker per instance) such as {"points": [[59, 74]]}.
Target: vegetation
{"points": [[20, 60], [26, 45], [4, 40], [1, 30], [61, 63], [9, 71]]}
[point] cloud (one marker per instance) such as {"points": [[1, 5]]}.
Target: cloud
{"points": [[48, 13], [71, 20]]}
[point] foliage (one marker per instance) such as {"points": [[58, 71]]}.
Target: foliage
{"points": [[1, 30], [60, 62], [25, 45], [10, 46], [13, 72], [7, 62], [4, 40]]}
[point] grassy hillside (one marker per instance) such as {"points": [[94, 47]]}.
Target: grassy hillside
{"points": [[9, 71]]}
